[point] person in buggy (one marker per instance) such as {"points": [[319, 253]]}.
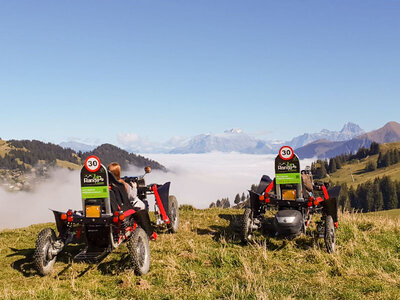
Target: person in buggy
{"points": [[131, 188], [293, 197], [141, 216]]}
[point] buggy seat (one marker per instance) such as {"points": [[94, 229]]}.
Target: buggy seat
{"points": [[118, 195]]}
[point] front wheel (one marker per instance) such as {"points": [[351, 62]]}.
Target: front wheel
{"points": [[329, 236], [139, 250], [173, 214], [43, 258], [247, 226]]}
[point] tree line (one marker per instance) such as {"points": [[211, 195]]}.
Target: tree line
{"points": [[321, 168], [373, 195], [223, 203]]}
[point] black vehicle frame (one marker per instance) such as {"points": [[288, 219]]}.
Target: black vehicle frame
{"points": [[107, 220], [294, 207]]}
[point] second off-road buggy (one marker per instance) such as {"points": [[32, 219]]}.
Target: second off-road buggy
{"points": [[107, 220], [294, 205]]}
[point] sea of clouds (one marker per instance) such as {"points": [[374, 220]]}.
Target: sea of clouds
{"points": [[196, 179]]}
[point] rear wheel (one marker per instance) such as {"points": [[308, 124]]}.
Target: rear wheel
{"points": [[43, 258], [173, 214], [247, 226], [329, 236], [139, 250]]}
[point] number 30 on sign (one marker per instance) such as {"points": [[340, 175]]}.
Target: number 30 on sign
{"points": [[286, 153], [92, 163]]}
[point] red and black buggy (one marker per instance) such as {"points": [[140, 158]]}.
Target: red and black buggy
{"points": [[107, 220], [293, 204]]}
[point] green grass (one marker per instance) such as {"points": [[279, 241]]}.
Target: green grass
{"points": [[205, 260]]}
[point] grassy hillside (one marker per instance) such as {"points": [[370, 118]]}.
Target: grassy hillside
{"points": [[357, 169], [393, 213], [205, 260], [25, 154]]}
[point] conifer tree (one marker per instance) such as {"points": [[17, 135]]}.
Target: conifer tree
{"points": [[332, 165], [378, 197], [237, 199], [344, 201]]}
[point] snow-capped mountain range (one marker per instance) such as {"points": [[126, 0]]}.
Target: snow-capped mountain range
{"points": [[349, 131], [235, 140]]}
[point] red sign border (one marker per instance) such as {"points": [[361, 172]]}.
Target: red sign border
{"points": [[290, 156], [98, 159]]}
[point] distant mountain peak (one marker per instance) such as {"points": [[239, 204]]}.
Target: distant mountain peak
{"points": [[351, 127], [391, 124]]}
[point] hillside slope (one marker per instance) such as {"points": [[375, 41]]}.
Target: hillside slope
{"points": [[354, 173], [206, 260]]}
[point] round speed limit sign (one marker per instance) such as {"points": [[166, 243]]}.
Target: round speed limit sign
{"points": [[286, 153], [92, 163]]}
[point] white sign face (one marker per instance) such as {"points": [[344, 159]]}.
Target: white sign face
{"points": [[92, 163], [286, 153]]}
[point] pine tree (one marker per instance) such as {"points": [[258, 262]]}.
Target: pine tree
{"points": [[369, 197], [379, 162], [344, 201], [225, 203], [385, 187], [332, 165], [237, 199], [378, 197], [338, 163], [321, 171], [373, 148], [398, 193], [393, 201]]}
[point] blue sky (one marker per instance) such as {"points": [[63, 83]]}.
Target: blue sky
{"points": [[90, 70]]}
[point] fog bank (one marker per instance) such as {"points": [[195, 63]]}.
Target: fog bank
{"points": [[199, 179], [60, 192]]}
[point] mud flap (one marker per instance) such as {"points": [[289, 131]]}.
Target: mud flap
{"points": [[143, 220], [264, 182], [331, 205], [255, 203], [61, 226], [163, 192]]}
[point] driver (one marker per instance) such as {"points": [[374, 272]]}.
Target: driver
{"points": [[131, 189], [142, 216]]}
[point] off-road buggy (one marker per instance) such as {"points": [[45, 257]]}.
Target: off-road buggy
{"points": [[107, 219], [293, 204]]}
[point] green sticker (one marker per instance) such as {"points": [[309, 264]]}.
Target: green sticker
{"points": [[288, 178], [89, 192]]}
